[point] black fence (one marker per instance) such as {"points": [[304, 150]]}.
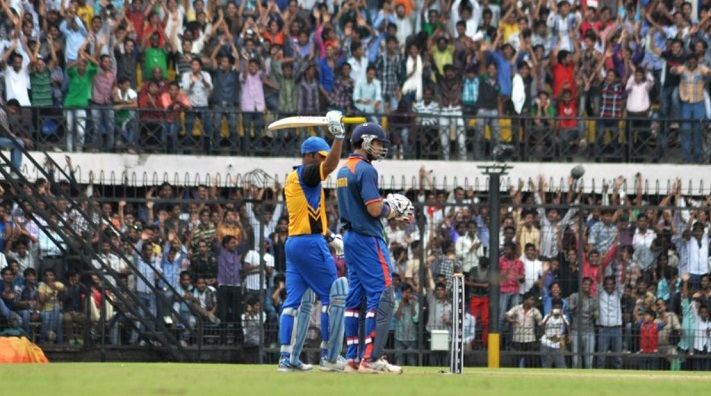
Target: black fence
{"points": [[440, 136], [649, 318]]}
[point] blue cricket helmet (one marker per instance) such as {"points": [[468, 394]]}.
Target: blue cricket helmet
{"points": [[365, 134]]}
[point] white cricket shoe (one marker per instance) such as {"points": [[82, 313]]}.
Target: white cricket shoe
{"points": [[338, 366], [286, 366], [380, 366]]}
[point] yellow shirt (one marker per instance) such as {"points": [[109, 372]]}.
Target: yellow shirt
{"points": [[508, 29], [305, 200], [526, 236], [52, 300], [442, 58], [86, 14]]}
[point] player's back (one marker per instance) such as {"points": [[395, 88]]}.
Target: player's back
{"points": [[357, 185], [305, 201]]}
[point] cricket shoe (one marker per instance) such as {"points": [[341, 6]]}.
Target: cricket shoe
{"points": [[351, 367], [286, 366], [380, 366], [338, 366]]}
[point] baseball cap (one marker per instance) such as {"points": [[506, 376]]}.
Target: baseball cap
{"points": [[315, 144]]}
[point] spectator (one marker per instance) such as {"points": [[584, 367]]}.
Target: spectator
{"points": [[691, 92], [367, 94], [17, 73], [488, 107], [584, 308], [610, 322], [74, 308], [524, 319], [198, 86], [51, 308], [175, 102], [555, 334], [229, 291], [406, 318], [81, 73], [253, 102], [125, 99], [102, 112]]}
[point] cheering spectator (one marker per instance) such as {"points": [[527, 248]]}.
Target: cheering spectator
{"points": [[198, 86]]}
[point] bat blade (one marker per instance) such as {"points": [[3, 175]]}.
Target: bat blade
{"points": [[297, 122], [307, 121]]}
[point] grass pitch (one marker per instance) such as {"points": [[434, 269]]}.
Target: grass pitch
{"points": [[139, 379]]}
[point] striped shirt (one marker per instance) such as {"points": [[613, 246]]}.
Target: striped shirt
{"points": [[388, 71], [470, 91], [612, 101], [406, 324], [422, 108], [342, 94], [691, 88], [41, 83], [308, 97]]}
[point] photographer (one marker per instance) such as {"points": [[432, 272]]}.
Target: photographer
{"points": [[556, 330]]}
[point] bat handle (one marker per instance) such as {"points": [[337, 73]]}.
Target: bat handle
{"points": [[353, 120]]}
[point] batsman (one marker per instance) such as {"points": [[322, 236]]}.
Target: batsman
{"points": [[310, 268]]}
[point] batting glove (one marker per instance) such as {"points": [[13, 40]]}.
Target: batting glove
{"points": [[335, 126], [336, 242]]}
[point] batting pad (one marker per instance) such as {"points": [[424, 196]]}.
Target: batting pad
{"points": [[339, 291], [383, 317], [301, 323]]}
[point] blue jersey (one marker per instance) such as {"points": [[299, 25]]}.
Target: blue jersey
{"points": [[357, 186]]}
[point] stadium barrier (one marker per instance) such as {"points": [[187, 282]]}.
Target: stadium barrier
{"points": [[439, 136]]}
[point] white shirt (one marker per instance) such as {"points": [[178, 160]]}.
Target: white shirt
{"points": [[534, 270], [701, 330], [16, 85], [642, 244], [555, 328], [252, 280], [469, 258], [698, 253], [358, 68]]}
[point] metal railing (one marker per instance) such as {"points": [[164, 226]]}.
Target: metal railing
{"points": [[628, 350], [413, 136]]}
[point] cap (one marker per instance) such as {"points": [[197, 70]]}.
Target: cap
{"points": [[315, 144]]}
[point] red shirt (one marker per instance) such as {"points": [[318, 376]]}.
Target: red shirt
{"points": [[136, 19], [563, 77], [145, 105], [567, 113], [649, 337], [511, 272]]}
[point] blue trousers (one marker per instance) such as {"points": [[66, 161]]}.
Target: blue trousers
{"points": [[309, 264], [369, 274], [609, 339], [15, 151], [692, 147]]}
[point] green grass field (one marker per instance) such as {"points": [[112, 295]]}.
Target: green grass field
{"points": [[138, 379]]}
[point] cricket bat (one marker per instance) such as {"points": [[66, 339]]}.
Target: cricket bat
{"points": [[307, 121]]}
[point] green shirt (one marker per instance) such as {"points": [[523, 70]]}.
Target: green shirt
{"points": [[41, 88], [79, 92], [155, 57]]}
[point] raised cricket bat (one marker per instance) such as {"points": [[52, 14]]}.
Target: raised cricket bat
{"points": [[306, 121]]}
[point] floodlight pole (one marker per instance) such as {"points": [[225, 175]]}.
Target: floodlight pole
{"points": [[494, 171]]}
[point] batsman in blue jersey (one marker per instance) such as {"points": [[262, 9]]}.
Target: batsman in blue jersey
{"points": [[369, 269], [310, 268]]}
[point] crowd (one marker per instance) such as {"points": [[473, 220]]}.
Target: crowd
{"points": [[642, 285], [442, 72]]}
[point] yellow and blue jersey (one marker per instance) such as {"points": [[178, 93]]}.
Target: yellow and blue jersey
{"points": [[305, 200], [357, 186]]}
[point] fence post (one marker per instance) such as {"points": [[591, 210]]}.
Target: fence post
{"points": [[494, 172]]}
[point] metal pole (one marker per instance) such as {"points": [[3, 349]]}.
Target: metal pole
{"points": [[262, 273], [494, 340], [579, 314], [102, 321]]}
